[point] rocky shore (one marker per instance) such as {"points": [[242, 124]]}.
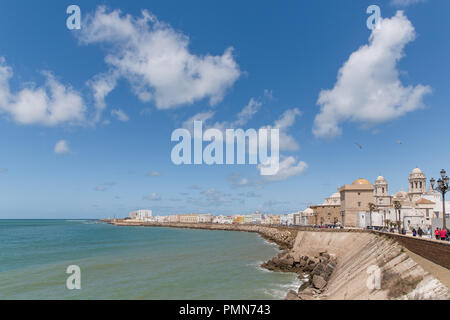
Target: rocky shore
{"points": [[316, 269]]}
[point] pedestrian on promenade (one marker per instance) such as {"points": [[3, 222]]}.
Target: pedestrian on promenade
{"points": [[420, 232], [414, 232], [443, 234], [437, 233]]}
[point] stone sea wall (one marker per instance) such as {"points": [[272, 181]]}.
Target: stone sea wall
{"points": [[283, 237]]}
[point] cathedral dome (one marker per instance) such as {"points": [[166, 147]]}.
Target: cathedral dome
{"points": [[361, 181], [334, 199], [417, 174], [336, 195], [380, 179], [400, 195]]}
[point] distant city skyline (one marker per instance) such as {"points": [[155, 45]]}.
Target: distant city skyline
{"points": [[87, 115]]}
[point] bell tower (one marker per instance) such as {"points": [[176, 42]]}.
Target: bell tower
{"points": [[417, 184], [380, 192]]}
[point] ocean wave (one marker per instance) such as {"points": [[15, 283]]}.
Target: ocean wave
{"points": [[280, 291], [294, 285], [278, 294], [273, 244], [257, 266], [254, 264]]}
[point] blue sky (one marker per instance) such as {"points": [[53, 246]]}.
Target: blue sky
{"points": [[70, 148]]}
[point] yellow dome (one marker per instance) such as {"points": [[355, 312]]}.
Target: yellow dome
{"points": [[361, 181]]}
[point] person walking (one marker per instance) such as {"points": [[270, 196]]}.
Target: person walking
{"points": [[414, 232], [443, 234], [437, 233], [420, 232]]}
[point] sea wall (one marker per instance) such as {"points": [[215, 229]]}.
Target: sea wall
{"points": [[284, 237], [362, 258], [435, 251]]}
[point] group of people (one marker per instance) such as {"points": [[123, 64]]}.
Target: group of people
{"points": [[418, 232], [441, 234]]}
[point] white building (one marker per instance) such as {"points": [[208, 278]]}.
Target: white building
{"points": [[161, 219], [305, 217], [247, 219], [287, 219], [174, 218], [205, 218], [222, 219], [256, 218], [141, 215]]}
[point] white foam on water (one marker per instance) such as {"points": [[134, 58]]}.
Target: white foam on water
{"points": [[278, 294], [255, 264], [273, 244]]}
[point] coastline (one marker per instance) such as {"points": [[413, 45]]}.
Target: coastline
{"points": [[336, 261], [317, 267], [284, 237]]}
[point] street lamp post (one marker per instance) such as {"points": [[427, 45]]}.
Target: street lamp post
{"points": [[442, 187]]}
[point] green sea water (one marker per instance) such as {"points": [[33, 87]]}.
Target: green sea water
{"points": [[134, 262]]}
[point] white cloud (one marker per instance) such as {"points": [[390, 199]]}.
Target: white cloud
{"points": [[247, 112], [102, 85], [405, 3], [152, 197], [249, 194], [62, 147], [289, 167], [156, 60], [50, 105], [242, 117], [287, 120], [368, 90], [268, 94], [214, 196], [237, 181], [120, 115], [202, 116], [3, 170]]}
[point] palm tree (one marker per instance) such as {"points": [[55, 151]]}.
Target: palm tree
{"points": [[372, 207], [397, 206]]}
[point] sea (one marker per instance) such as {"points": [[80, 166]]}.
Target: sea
{"points": [[134, 263]]}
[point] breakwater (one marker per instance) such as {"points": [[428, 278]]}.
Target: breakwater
{"points": [[283, 237]]}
